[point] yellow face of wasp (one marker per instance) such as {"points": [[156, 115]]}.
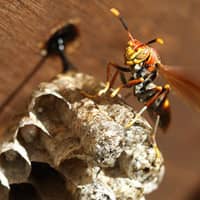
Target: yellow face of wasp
{"points": [[133, 57]]}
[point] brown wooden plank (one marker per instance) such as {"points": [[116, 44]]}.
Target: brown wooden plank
{"points": [[23, 24]]}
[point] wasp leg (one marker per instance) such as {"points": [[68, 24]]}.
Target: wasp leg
{"points": [[159, 96], [155, 129], [110, 83], [159, 91], [153, 137], [162, 94], [123, 78], [137, 115], [127, 85], [125, 81]]}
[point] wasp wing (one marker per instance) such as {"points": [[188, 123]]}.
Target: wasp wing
{"points": [[183, 83]]}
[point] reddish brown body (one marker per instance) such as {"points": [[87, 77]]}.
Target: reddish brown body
{"points": [[143, 64]]}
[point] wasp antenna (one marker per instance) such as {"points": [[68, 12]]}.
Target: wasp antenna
{"points": [[116, 12], [160, 40]]}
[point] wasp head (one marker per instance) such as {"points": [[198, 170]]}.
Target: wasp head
{"points": [[136, 53]]}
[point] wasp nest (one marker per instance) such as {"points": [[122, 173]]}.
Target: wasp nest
{"points": [[85, 142]]}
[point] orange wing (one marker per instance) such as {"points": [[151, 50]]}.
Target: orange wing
{"points": [[185, 85]]}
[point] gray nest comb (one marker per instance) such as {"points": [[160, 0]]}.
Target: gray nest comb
{"points": [[84, 140]]}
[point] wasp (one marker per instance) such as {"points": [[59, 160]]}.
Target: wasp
{"points": [[143, 64]]}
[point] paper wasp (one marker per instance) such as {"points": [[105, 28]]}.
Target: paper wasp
{"points": [[143, 64], [54, 46]]}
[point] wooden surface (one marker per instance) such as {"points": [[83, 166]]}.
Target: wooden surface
{"points": [[23, 24]]}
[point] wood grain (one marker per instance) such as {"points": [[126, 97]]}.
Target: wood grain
{"points": [[23, 24]]}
